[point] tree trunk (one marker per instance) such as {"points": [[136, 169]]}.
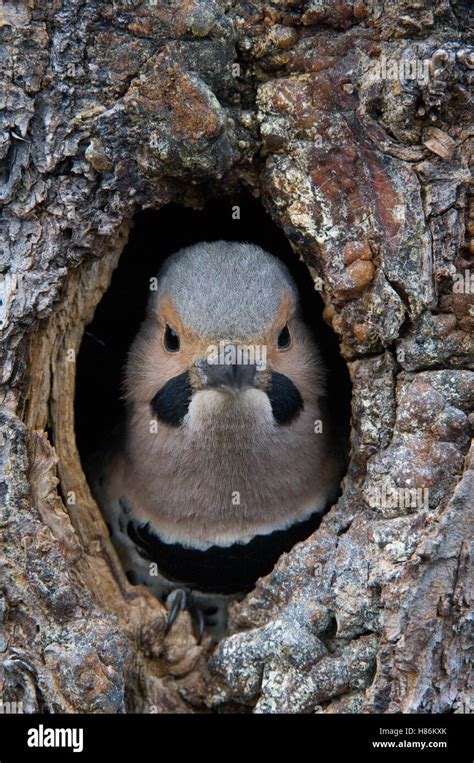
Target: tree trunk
{"points": [[349, 120]]}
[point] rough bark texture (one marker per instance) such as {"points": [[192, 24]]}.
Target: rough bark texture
{"points": [[112, 107]]}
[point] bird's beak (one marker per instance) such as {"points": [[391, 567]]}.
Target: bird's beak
{"points": [[228, 377]]}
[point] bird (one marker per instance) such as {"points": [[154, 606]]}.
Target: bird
{"points": [[227, 456]]}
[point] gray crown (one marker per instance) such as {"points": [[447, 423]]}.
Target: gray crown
{"points": [[225, 289]]}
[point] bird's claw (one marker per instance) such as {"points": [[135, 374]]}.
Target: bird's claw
{"points": [[177, 600], [198, 617], [181, 599]]}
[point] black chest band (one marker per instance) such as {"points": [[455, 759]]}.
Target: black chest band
{"points": [[219, 569]]}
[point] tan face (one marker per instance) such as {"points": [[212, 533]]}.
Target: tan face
{"points": [[165, 348]]}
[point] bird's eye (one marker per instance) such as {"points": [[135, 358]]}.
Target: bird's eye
{"points": [[171, 339], [284, 338]]}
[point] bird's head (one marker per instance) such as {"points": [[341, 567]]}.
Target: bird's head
{"points": [[224, 321]]}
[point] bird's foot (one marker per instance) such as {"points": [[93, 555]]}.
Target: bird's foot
{"points": [[182, 599]]}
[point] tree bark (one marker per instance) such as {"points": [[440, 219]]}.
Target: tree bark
{"points": [[350, 121]]}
